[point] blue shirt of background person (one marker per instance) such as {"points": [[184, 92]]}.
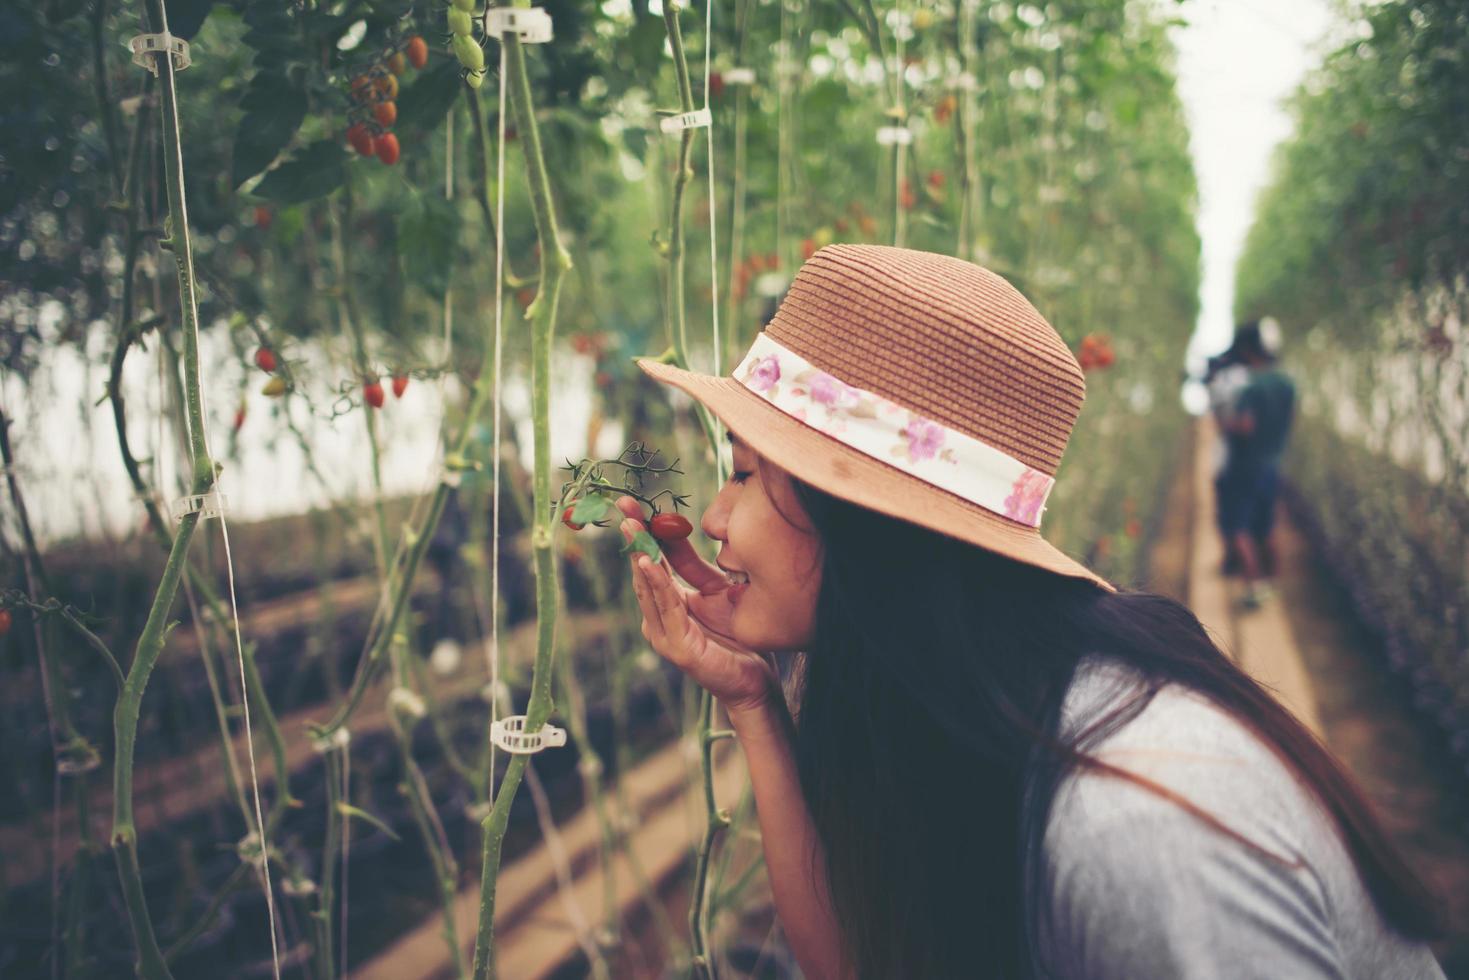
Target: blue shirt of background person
{"points": [[1260, 423]]}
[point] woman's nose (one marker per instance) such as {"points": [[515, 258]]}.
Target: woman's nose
{"points": [[714, 519]]}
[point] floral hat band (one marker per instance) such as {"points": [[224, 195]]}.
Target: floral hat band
{"points": [[892, 434]]}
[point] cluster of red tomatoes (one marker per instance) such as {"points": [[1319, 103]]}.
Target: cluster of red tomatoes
{"points": [[374, 110], [372, 389]]}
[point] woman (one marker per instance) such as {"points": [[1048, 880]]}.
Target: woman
{"points": [[999, 764]]}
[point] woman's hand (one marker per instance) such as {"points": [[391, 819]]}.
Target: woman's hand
{"points": [[691, 627]]}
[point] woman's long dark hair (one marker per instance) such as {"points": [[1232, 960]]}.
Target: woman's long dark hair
{"points": [[928, 708]]}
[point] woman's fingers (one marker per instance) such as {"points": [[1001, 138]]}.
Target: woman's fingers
{"points": [[644, 592], [672, 617]]}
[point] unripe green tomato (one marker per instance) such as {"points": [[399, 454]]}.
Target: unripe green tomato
{"points": [[465, 5], [459, 23], [475, 79], [470, 54]]}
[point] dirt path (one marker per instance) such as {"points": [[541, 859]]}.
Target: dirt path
{"points": [[1309, 646]]}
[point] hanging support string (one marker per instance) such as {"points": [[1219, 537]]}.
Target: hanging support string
{"points": [[147, 49]]}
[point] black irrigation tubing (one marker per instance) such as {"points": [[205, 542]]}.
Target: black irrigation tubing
{"points": [[1431, 697]]}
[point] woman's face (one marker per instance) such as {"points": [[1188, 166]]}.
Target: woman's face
{"points": [[776, 612]]}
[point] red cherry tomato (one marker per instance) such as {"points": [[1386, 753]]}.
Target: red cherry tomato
{"points": [[670, 527], [372, 393], [265, 360], [566, 519], [4, 621], [417, 52], [361, 139], [400, 385], [386, 113], [387, 148]]}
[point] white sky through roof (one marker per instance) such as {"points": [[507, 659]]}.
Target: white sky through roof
{"points": [[1238, 60]]}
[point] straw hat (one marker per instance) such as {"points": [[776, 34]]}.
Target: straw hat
{"points": [[917, 385]]}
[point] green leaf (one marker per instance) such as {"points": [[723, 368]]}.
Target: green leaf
{"points": [[347, 809], [592, 507], [428, 240], [274, 109], [185, 17], [314, 171], [423, 104], [644, 542]]}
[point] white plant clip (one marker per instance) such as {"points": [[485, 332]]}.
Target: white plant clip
{"points": [[510, 735], [145, 46], [894, 136], [407, 703], [338, 739], [533, 24], [697, 119], [249, 851], [740, 76], [210, 504]]}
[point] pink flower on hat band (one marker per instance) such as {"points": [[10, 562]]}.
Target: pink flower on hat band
{"points": [[764, 373], [925, 438], [831, 392], [1027, 497]]}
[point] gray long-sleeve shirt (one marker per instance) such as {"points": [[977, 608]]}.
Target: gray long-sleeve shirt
{"points": [[1141, 889]]}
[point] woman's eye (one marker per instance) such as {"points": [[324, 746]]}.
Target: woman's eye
{"points": [[740, 477]]}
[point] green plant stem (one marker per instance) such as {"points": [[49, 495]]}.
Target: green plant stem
{"points": [[151, 964], [554, 263], [236, 880], [326, 963], [435, 841], [94, 641], [65, 739], [414, 787], [127, 333], [39, 586], [442, 734]]}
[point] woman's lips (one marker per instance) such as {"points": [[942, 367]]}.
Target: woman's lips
{"points": [[735, 590]]}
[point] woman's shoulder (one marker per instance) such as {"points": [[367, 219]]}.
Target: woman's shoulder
{"points": [[1184, 747], [1140, 885]]}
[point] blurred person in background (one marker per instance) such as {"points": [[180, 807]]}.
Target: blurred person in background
{"points": [[1225, 377], [1256, 428]]}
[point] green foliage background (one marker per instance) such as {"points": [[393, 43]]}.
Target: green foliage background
{"points": [[1361, 250]]}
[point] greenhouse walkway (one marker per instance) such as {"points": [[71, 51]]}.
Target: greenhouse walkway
{"points": [[1261, 640], [1309, 646]]}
